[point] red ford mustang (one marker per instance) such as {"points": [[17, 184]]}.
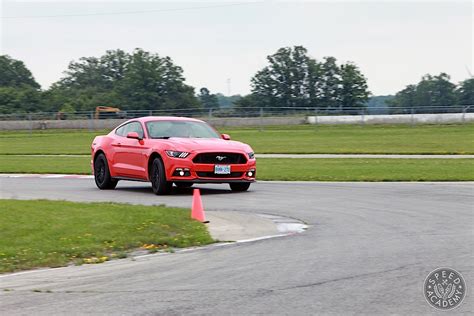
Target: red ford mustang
{"points": [[167, 150]]}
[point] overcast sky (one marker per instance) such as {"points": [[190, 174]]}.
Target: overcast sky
{"points": [[393, 42]]}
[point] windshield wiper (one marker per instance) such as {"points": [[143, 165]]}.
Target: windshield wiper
{"points": [[162, 137]]}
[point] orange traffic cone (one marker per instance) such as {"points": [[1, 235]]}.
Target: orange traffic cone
{"points": [[197, 211]]}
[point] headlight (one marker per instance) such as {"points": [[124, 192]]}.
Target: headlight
{"points": [[251, 155], [177, 154]]}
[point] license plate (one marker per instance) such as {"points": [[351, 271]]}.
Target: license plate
{"points": [[222, 169]]}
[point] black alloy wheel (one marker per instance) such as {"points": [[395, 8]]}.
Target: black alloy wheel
{"points": [[158, 178], [102, 177]]}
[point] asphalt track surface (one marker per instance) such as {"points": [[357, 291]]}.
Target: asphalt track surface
{"points": [[368, 249], [311, 156]]}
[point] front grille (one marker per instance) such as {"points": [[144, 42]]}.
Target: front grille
{"points": [[213, 175], [220, 158]]}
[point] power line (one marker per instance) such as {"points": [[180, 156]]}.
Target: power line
{"points": [[130, 12]]}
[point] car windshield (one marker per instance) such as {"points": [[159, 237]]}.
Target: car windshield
{"points": [[185, 129]]}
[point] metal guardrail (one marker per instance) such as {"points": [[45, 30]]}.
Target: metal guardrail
{"points": [[240, 112]]}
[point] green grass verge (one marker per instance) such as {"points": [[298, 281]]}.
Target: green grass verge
{"points": [[42, 233], [354, 139], [366, 169], [44, 164], [350, 169], [47, 142], [357, 139]]}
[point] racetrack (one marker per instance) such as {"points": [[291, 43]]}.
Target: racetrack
{"points": [[368, 249]]}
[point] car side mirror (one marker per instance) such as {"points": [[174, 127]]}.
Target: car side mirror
{"points": [[134, 135], [225, 137]]}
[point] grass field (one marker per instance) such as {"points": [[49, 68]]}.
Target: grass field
{"points": [[366, 169], [370, 139], [43, 233], [355, 169], [355, 139], [32, 164]]}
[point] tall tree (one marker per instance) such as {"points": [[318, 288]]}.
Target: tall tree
{"points": [[431, 94], [20, 100], [330, 84], [132, 81], [433, 91], [293, 79], [100, 72], [445, 91], [284, 82], [13, 73], [315, 83], [404, 100], [465, 92], [19, 92], [208, 100], [354, 92]]}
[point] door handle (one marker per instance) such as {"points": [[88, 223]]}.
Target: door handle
{"points": [[117, 144]]}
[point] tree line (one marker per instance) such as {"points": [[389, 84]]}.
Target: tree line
{"points": [[294, 79], [142, 80], [433, 94]]}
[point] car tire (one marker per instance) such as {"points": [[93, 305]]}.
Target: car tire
{"points": [[183, 185], [102, 177], [158, 178], [239, 186]]}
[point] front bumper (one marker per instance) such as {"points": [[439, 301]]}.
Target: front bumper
{"points": [[204, 173]]}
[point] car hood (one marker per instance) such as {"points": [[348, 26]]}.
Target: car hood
{"points": [[204, 144]]}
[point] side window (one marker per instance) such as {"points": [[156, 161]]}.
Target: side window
{"points": [[130, 127], [121, 131], [135, 127]]}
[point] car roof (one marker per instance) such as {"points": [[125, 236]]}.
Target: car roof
{"points": [[165, 118]]}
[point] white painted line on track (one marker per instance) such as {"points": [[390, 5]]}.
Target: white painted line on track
{"points": [[46, 176], [176, 251], [363, 156], [80, 176], [289, 228]]}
